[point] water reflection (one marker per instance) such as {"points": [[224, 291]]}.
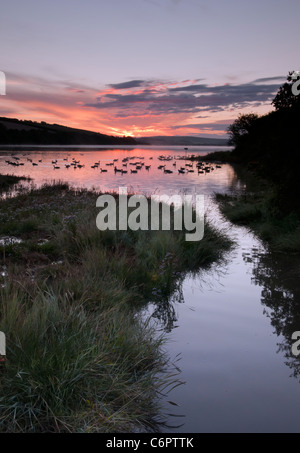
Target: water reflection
{"points": [[164, 311], [278, 276], [143, 181]]}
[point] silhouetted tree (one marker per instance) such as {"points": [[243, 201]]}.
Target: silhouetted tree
{"points": [[240, 127], [285, 99]]}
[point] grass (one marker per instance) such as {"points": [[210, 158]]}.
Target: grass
{"points": [[74, 370], [6, 181], [255, 209], [216, 156], [79, 357]]}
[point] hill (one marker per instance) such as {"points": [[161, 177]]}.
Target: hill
{"points": [[23, 132], [181, 141]]}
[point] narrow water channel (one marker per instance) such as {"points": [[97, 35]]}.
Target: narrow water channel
{"points": [[232, 328]]}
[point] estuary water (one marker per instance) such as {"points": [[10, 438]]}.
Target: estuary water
{"points": [[231, 324]]}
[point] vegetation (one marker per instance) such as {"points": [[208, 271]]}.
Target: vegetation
{"points": [[269, 147], [217, 156], [79, 356], [6, 181], [254, 209]]}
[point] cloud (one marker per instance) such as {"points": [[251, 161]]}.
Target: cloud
{"points": [[137, 105], [130, 84], [161, 98], [161, 3], [279, 79], [211, 126]]}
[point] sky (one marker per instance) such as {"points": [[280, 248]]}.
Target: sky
{"points": [[145, 67]]}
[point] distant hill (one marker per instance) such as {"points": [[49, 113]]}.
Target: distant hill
{"points": [[182, 141], [23, 132]]}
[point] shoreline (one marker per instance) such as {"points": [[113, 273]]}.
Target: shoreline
{"points": [[95, 147]]}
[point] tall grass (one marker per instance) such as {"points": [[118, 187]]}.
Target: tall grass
{"points": [[69, 369]]}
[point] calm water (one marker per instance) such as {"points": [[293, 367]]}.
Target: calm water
{"points": [[143, 181], [231, 324]]}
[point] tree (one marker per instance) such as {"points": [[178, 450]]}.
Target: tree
{"points": [[241, 127], [285, 99]]}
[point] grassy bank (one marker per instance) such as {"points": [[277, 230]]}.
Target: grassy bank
{"points": [[259, 205], [79, 358], [256, 209], [217, 156]]}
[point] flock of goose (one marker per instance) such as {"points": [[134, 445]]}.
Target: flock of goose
{"points": [[200, 167], [130, 164]]}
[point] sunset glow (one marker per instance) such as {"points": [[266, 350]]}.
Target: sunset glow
{"points": [[131, 83]]}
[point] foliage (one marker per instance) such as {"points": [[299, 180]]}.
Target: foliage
{"points": [[241, 127], [285, 99], [270, 145]]}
